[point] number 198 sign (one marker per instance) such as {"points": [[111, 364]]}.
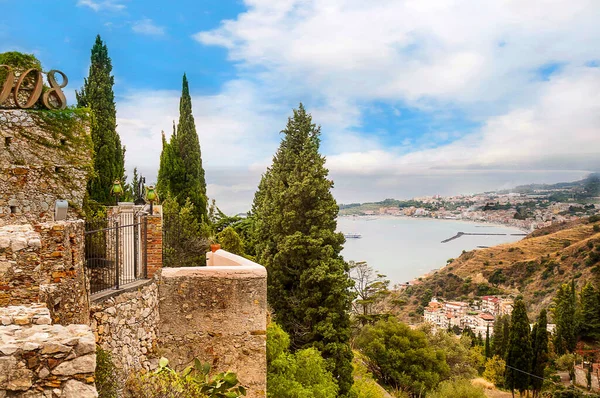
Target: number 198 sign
{"points": [[53, 98]]}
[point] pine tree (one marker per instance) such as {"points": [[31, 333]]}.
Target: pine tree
{"points": [[539, 340], [488, 349], [184, 171], [308, 282], [519, 353], [590, 312], [109, 155], [565, 316]]}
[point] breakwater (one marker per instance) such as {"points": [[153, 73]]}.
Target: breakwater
{"points": [[459, 234]]}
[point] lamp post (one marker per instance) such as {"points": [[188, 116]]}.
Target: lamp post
{"points": [[116, 190], [151, 196]]}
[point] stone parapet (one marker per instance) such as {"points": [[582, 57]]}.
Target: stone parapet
{"points": [[47, 361], [218, 314], [126, 325]]}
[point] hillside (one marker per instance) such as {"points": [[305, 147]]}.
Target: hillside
{"points": [[533, 267]]}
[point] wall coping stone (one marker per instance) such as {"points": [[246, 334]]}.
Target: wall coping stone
{"points": [[229, 272], [129, 287]]}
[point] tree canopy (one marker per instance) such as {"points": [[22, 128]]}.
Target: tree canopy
{"points": [[296, 239]]}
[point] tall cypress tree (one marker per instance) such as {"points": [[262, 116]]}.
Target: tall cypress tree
{"points": [[165, 168], [565, 316], [109, 155], [590, 312], [488, 349], [500, 338], [186, 174], [519, 353], [539, 340], [308, 281]]}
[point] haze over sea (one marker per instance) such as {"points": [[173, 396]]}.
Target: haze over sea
{"points": [[406, 248]]}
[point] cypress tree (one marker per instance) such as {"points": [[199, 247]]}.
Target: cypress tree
{"points": [[185, 171], [539, 339], [590, 312], [565, 315], [165, 167], [308, 281], [488, 349], [135, 185], [500, 338], [109, 155], [519, 353]]}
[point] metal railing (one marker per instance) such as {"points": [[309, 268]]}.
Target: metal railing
{"points": [[115, 251]]}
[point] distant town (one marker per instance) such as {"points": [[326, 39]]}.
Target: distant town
{"points": [[477, 315], [526, 207]]}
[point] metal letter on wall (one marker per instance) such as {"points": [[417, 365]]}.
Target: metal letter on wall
{"points": [[53, 98]]}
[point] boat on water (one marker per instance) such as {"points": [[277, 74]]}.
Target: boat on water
{"points": [[353, 235]]}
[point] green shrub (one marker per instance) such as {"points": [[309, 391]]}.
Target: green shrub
{"points": [[494, 370], [302, 374], [457, 388], [193, 382], [596, 228], [106, 378]]}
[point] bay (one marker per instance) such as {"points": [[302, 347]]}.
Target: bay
{"points": [[405, 248]]}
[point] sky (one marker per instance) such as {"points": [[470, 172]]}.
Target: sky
{"points": [[415, 97]]}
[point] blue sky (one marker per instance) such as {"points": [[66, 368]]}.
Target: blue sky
{"points": [[414, 98]]}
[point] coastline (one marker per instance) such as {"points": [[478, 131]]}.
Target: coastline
{"points": [[468, 226], [388, 216]]}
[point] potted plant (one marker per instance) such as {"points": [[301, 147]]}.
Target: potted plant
{"points": [[214, 247]]}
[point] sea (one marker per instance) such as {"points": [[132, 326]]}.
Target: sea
{"points": [[404, 248]]}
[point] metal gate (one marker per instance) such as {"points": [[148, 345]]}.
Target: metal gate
{"points": [[115, 251]]}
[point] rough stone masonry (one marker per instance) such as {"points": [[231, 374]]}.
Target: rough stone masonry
{"points": [[218, 314], [44, 156], [38, 359]]}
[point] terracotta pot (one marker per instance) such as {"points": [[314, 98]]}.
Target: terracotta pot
{"points": [[214, 247]]}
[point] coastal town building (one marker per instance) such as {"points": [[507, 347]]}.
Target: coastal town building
{"points": [[478, 315]]}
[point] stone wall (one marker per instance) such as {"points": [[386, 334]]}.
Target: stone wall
{"points": [[45, 264], [126, 325], [44, 156], [219, 315], [42, 360]]}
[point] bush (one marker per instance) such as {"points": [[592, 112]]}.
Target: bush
{"points": [[402, 358], [494, 370], [231, 241], [302, 374], [106, 378], [193, 382], [457, 388]]}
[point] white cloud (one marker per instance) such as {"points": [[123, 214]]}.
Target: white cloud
{"points": [[434, 52], [147, 27], [559, 131], [343, 56], [108, 5]]}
